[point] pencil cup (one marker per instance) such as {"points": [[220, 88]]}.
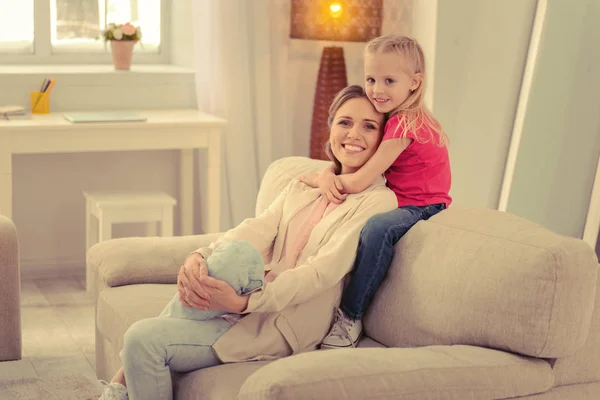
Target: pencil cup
{"points": [[40, 102]]}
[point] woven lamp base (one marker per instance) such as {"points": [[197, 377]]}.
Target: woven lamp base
{"points": [[332, 78]]}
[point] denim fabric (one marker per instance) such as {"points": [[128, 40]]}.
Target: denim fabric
{"points": [[375, 250], [155, 347], [181, 338], [235, 262]]}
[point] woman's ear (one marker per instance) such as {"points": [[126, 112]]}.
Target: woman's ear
{"points": [[417, 79]]}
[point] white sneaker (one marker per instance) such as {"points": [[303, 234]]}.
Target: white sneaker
{"points": [[345, 332], [113, 391]]}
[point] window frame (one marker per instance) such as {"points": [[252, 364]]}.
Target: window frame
{"points": [[43, 54]]}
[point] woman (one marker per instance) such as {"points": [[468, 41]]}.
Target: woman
{"points": [[310, 245]]}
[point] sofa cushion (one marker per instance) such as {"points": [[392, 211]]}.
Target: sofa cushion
{"points": [[367, 343], [486, 278], [222, 382], [436, 372], [587, 391], [225, 381]]}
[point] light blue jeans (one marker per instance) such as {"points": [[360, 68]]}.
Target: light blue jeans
{"points": [[181, 338]]}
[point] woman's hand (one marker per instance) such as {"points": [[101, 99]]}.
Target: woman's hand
{"points": [[331, 186], [222, 296], [189, 286]]}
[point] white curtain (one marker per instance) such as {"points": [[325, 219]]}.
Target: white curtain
{"points": [[271, 28], [238, 77]]}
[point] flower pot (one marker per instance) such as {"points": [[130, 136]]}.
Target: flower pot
{"points": [[122, 51]]}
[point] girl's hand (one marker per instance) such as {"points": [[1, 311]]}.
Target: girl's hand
{"points": [[310, 179], [223, 297], [331, 186], [189, 286]]}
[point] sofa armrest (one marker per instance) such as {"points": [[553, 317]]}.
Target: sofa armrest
{"points": [[129, 261], [457, 372], [10, 289]]}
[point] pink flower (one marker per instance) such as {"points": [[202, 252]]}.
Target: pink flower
{"points": [[129, 29]]}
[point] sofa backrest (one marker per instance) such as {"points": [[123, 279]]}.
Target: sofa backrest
{"points": [[279, 174], [486, 278], [10, 292]]}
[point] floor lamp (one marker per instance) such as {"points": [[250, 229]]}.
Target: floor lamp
{"points": [[339, 21]]}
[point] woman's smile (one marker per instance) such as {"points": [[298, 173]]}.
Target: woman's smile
{"points": [[353, 148]]}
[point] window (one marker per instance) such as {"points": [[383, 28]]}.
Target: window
{"points": [[77, 24], [16, 27], [51, 28]]}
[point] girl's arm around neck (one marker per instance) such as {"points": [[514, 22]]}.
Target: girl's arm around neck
{"points": [[326, 266], [384, 157]]}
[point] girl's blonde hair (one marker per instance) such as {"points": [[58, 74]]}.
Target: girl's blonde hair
{"points": [[347, 93], [412, 113]]}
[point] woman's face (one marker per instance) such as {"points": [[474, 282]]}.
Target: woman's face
{"points": [[355, 133]]}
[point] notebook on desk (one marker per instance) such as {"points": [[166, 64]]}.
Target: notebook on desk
{"points": [[104, 116]]}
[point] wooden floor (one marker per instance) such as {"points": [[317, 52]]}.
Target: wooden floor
{"points": [[57, 317]]}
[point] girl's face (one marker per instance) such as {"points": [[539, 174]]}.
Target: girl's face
{"points": [[389, 80], [355, 133]]}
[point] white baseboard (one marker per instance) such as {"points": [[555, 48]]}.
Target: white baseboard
{"points": [[52, 267]]}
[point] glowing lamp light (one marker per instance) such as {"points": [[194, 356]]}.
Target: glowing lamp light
{"points": [[336, 9]]}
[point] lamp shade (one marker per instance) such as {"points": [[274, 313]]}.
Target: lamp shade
{"points": [[343, 20]]}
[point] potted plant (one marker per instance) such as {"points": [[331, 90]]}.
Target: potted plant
{"points": [[123, 38]]}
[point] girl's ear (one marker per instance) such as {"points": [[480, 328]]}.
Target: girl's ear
{"points": [[417, 79]]}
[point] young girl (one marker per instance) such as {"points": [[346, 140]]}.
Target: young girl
{"points": [[414, 158]]}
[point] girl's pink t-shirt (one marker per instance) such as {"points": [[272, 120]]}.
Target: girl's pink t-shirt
{"points": [[421, 175]]}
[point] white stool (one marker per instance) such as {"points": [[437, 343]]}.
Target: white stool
{"points": [[125, 207]]}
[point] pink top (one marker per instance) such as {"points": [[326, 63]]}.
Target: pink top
{"points": [[296, 237], [298, 233], [421, 175]]}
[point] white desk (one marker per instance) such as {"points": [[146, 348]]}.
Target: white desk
{"points": [[185, 130]]}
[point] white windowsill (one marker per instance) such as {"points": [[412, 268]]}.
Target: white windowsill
{"points": [[92, 69]]}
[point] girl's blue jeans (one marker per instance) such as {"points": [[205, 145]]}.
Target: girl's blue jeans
{"points": [[375, 251]]}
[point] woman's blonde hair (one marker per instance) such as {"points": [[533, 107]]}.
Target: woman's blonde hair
{"points": [[347, 93], [412, 114]]}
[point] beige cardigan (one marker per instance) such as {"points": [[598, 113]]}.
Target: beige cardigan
{"points": [[293, 313]]}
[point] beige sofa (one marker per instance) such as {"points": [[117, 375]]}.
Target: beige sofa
{"points": [[10, 292], [478, 304]]}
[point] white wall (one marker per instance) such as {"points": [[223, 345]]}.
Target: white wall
{"points": [[560, 145], [480, 58], [424, 29]]}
